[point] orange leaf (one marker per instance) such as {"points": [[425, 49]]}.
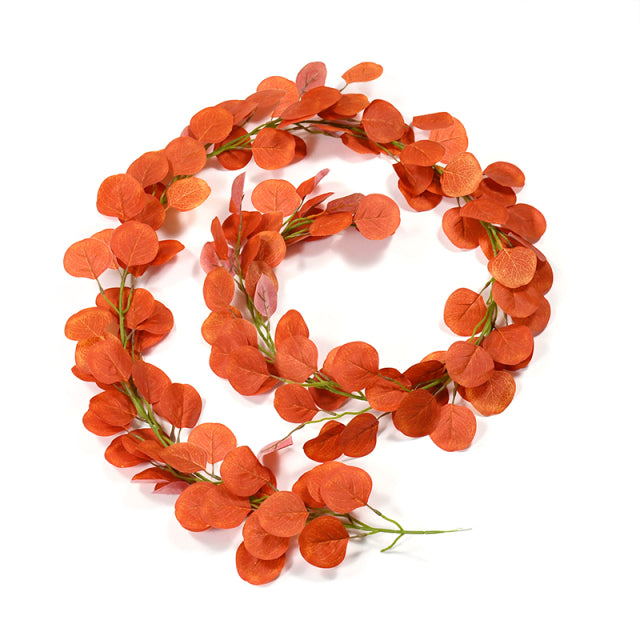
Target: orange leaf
{"points": [[464, 311], [143, 442], [150, 381], [261, 544], [494, 191], [234, 333], [300, 486], [414, 178], [88, 258], [153, 475], [223, 509], [314, 478], [243, 223], [296, 358], [134, 243], [187, 194], [153, 213], [120, 196], [461, 176], [275, 196], [377, 216], [431, 121], [268, 246], [108, 361], [294, 403], [494, 396], [242, 472], [290, 324], [417, 414], [386, 391], [456, 428], [362, 72], [180, 404], [424, 201], [325, 446], [167, 249], [344, 488], [187, 507], [185, 457], [256, 571], [217, 319], [218, 289], [98, 427], [150, 168], [312, 102], [424, 153], [216, 439], [211, 125], [323, 542], [359, 145], [113, 407], [463, 232], [246, 370], [526, 221], [382, 122], [233, 159], [355, 365], [505, 174], [485, 210], [513, 266], [538, 320], [328, 224], [273, 148], [358, 438], [350, 104], [289, 89], [283, 514], [186, 156], [452, 138], [519, 302], [87, 323], [468, 364], [118, 456], [509, 345], [141, 305], [159, 322]]}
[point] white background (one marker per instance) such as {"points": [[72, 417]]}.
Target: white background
{"points": [[549, 488]]}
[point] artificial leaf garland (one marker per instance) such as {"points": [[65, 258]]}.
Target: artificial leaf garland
{"points": [[219, 483]]}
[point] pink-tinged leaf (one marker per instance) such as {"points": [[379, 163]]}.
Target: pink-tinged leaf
{"points": [[311, 75], [171, 488], [208, 257], [266, 296], [277, 445], [237, 191]]}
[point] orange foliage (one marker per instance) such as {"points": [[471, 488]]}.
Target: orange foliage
{"points": [[137, 399]]}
